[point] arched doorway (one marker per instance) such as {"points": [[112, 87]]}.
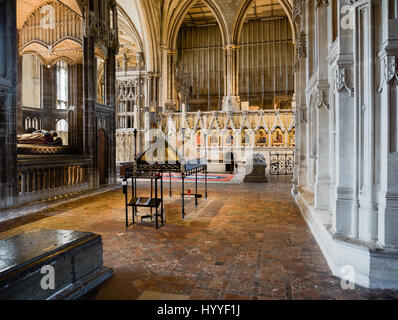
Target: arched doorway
{"points": [[229, 162], [102, 156]]}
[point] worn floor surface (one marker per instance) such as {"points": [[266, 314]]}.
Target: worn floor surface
{"points": [[245, 241]]}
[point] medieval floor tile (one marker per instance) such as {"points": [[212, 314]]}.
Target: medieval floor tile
{"points": [[246, 241]]}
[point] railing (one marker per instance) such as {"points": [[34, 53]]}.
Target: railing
{"points": [[281, 163], [48, 179]]}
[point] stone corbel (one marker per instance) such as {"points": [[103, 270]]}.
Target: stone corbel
{"points": [[140, 60], [301, 47], [318, 3], [322, 99], [341, 81], [114, 39], [152, 75], [390, 71], [89, 27], [302, 115]]}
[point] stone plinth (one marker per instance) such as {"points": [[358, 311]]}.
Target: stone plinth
{"points": [[75, 257]]}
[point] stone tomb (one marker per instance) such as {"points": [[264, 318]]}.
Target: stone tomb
{"points": [[255, 169], [28, 261]]}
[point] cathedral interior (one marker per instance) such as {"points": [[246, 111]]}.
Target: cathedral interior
{"points": [[265, 132]]}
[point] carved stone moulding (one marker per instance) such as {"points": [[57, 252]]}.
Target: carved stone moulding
{"points": [[389, 65], [68, 50], [341, 81], [351, 2], [321, 98], [318, 3], [301, 47], [298, 7]]}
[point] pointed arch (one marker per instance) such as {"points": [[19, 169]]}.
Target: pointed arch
{"points": [[171, 36], [240, 19], [133, 28]]}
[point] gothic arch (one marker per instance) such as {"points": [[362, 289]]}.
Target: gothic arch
{"points": [[286, 5], [133, 28], [148, 14], [171, 36]]}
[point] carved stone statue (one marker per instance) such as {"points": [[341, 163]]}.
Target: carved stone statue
{"points": [[41, 137]]}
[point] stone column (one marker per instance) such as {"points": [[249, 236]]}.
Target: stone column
{"points": [[168, 90], [388, 195], [110, 81], [75, 115], [20, 120], [152, 89], [8, 104], [365, 110], [301, 130], [345, 215], [89, 115], [322, 178], [231, 100], [48, 95]]}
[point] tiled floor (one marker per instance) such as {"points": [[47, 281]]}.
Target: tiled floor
{"points": [[247, 241]]}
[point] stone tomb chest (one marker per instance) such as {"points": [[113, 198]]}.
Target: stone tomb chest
{"points": [[255, 169], [32, 262]]}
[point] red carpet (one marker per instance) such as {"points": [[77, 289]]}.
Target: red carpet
{"points": [[211, 177]]}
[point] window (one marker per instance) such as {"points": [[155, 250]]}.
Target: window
{"points": [[100, 80], [62, 85], [31, 81]]}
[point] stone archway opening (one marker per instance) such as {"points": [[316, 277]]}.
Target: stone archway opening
{"points": [[266, 57], [229, 160], [102, 156], [199, 60]]}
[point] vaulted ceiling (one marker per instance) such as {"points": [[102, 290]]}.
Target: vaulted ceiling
{"points": [[26, 7], [200, 13]]}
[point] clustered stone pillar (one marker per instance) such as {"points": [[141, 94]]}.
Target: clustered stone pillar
{"points": [[152, 89], [169, 69], [231, 101], [8, 104], [111, 101], [347, 135], [139, 108], [49, 95], [322, 179], [75, 115], [89, 115], [345, 209], [388, 195]]}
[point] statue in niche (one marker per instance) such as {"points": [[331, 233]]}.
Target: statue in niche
{"points": [[199, 138], [261, 138], [277, 137], [39, 137], [230, 138], [292, 138], [214, 142], [245, 138]]}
